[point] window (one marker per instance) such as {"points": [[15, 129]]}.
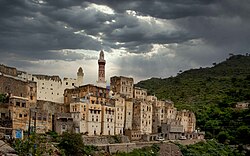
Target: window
{"points": [[31, 97], [2, 115], [66, 83], [25, 115], [63, 127], [23, 104], [73, 84], [20, 115], [18, 104]]}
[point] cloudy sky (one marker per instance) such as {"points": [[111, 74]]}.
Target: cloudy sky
{"points": [[140, 38]]}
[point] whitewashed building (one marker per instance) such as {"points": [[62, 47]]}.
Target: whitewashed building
{"points": [[51, 88]]}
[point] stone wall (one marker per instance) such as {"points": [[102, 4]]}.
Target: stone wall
{"points": [[102, 140]]}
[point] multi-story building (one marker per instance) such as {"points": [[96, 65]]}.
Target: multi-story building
{"points": [[87, 116], [140, 93], [63, 122], [122, 85], [128, 114], [8, 70], [14, 86], [86, 107], [142, 116], [119, 114], [108, 119], [24, 118], [187, 119], [51, 88]]}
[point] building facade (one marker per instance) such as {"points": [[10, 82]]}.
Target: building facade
{"points": [[142, 116], [51, 88], [122, 85]]}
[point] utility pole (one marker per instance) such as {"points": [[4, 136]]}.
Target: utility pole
{"points": [[29, 123], [35, 123]]}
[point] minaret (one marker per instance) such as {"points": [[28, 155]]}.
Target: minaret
{"points": [[101, 71], [80, 75]]}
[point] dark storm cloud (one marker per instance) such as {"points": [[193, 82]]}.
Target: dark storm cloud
{"points": [[26, 31], [37, 30]]}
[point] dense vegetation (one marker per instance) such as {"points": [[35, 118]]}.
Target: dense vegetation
{"points": [[209, 148], [212, 94], [67, 144]]}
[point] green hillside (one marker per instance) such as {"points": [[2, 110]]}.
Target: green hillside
{"points": [[212, 94]]}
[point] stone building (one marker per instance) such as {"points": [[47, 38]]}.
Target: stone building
{"points": [[14, 86], [140, 93], [23, 117], [142, 116], [108, 119], [63, 122], [17, 109], [119, 114], [128, 114], [78, 111], [87, 117], [86, 107], [170, 123], [187, 119], [122, 85], [51, 88], [8, 70], [242, 105], [84, 92]]}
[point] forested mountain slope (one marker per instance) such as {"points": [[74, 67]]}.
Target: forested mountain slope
{"points": [[211, 93]]}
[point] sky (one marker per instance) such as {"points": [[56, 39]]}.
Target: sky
{"points": [[140, 38]]}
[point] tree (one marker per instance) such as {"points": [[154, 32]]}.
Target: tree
{"points": [[35, 144], [72, 144], [243, 134], [222, 136]]}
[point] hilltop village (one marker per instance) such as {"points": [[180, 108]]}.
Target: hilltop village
{"points": [[42, 103]]}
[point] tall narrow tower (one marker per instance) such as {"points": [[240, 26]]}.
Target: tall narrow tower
{"points": [[80, 75], [101, 71]]}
